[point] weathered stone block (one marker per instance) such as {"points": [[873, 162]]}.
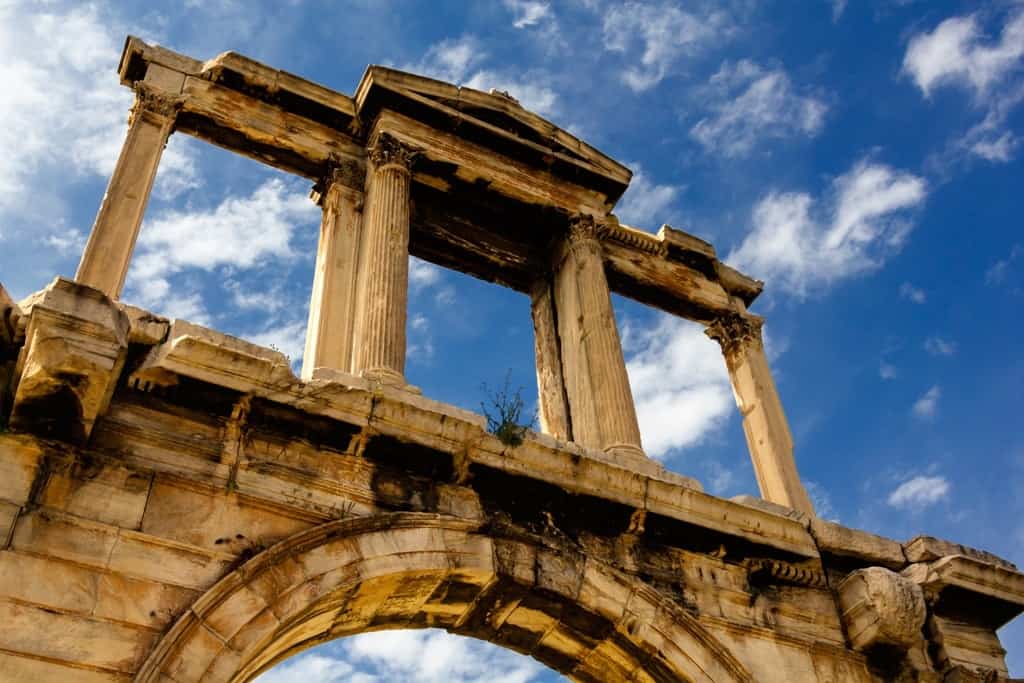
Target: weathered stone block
{"points": [[880, 608], [75, 345], [110, 494]]}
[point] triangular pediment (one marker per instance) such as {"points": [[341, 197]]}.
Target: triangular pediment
{"points": [[496, 112]]}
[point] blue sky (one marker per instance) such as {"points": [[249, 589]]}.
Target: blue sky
{"points": [[862, 158]]}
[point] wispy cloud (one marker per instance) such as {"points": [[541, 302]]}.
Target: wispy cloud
{"points": [[461, 60], [655, 37], [528, 13], [912, 293], [646, 203], [919, 492], [926, 406], [679, 382], [838, 7], [63, 108], [240, 233], [801, 246], [957, 54], [886, 370], [937, 346], [749, 104], [1000, 271]]}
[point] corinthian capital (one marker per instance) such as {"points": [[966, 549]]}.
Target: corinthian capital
{"points": [[388, 151], [341, 175], [155, 103], [734, 330]]}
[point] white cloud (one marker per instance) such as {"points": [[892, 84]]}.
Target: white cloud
{"points": [[886, 370], [645, 203], [421, 340], [749, 103], [999, 271], [459, 60], [679, 382], [821, 500], [862, 224], [937, 346], [919, 492], [956, 54], [289, 338], [433, 656], [423, 274], [838, 7], [926, 406], [661, 33], [313, 667], [528, 12], [912, 293], [63, 108], [240, 232], [719, 478]]}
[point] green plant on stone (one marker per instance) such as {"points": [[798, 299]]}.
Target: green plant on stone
{"points": [[504, 410]]}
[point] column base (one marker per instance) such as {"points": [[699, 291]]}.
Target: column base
{"points": [[625, 450], [389, 378]]}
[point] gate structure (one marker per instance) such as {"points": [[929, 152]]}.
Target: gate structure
{"points": [[176, 505]]}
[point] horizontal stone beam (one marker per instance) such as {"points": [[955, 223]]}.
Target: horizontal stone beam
{"points": [[301, 127], [209, 356]]}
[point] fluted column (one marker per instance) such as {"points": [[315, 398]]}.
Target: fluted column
{"points": [[383, 288], [764, 422], [553, 408], [601, 407], [105, 262], [333, 299]]}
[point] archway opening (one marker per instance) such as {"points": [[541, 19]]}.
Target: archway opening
{"points": [[416, 656], [530, 594]]}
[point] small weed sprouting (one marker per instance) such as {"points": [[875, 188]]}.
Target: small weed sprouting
{"points": [[504, 412]]}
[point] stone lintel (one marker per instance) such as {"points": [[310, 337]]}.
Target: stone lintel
{"points": [[74, 350], [928, 548], [949, 581], [218, 359], [866, 547]]}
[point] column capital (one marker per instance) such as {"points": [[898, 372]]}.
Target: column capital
{"points": [[152, 102], [387, 150], [583, 227], [735, 330], [340, 175]]}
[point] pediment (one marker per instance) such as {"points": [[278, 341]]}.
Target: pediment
{"points": [[495, 113]]}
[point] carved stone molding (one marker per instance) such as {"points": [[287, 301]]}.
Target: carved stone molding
{"points": [[155, 103], [880, 607], [735, 330], [389, 151], [786, 572]]}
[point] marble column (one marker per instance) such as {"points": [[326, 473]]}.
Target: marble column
{"points": [[333, 299], [553, 408], [105, 262], [383, 289], [764, 422], [601, 407]]}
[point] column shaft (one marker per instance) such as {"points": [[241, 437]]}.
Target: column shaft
{"points": [[764, 422], [104, 263], [553, 405], [384, 265], [601, 406], [333, 298]]}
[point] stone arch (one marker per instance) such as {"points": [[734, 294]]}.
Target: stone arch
{"points": [[573, 613]]}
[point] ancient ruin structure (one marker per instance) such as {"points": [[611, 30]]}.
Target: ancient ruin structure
{"points": [[176, 505]]}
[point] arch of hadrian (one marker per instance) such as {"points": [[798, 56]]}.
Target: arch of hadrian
{"points": [[175, 505]]}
